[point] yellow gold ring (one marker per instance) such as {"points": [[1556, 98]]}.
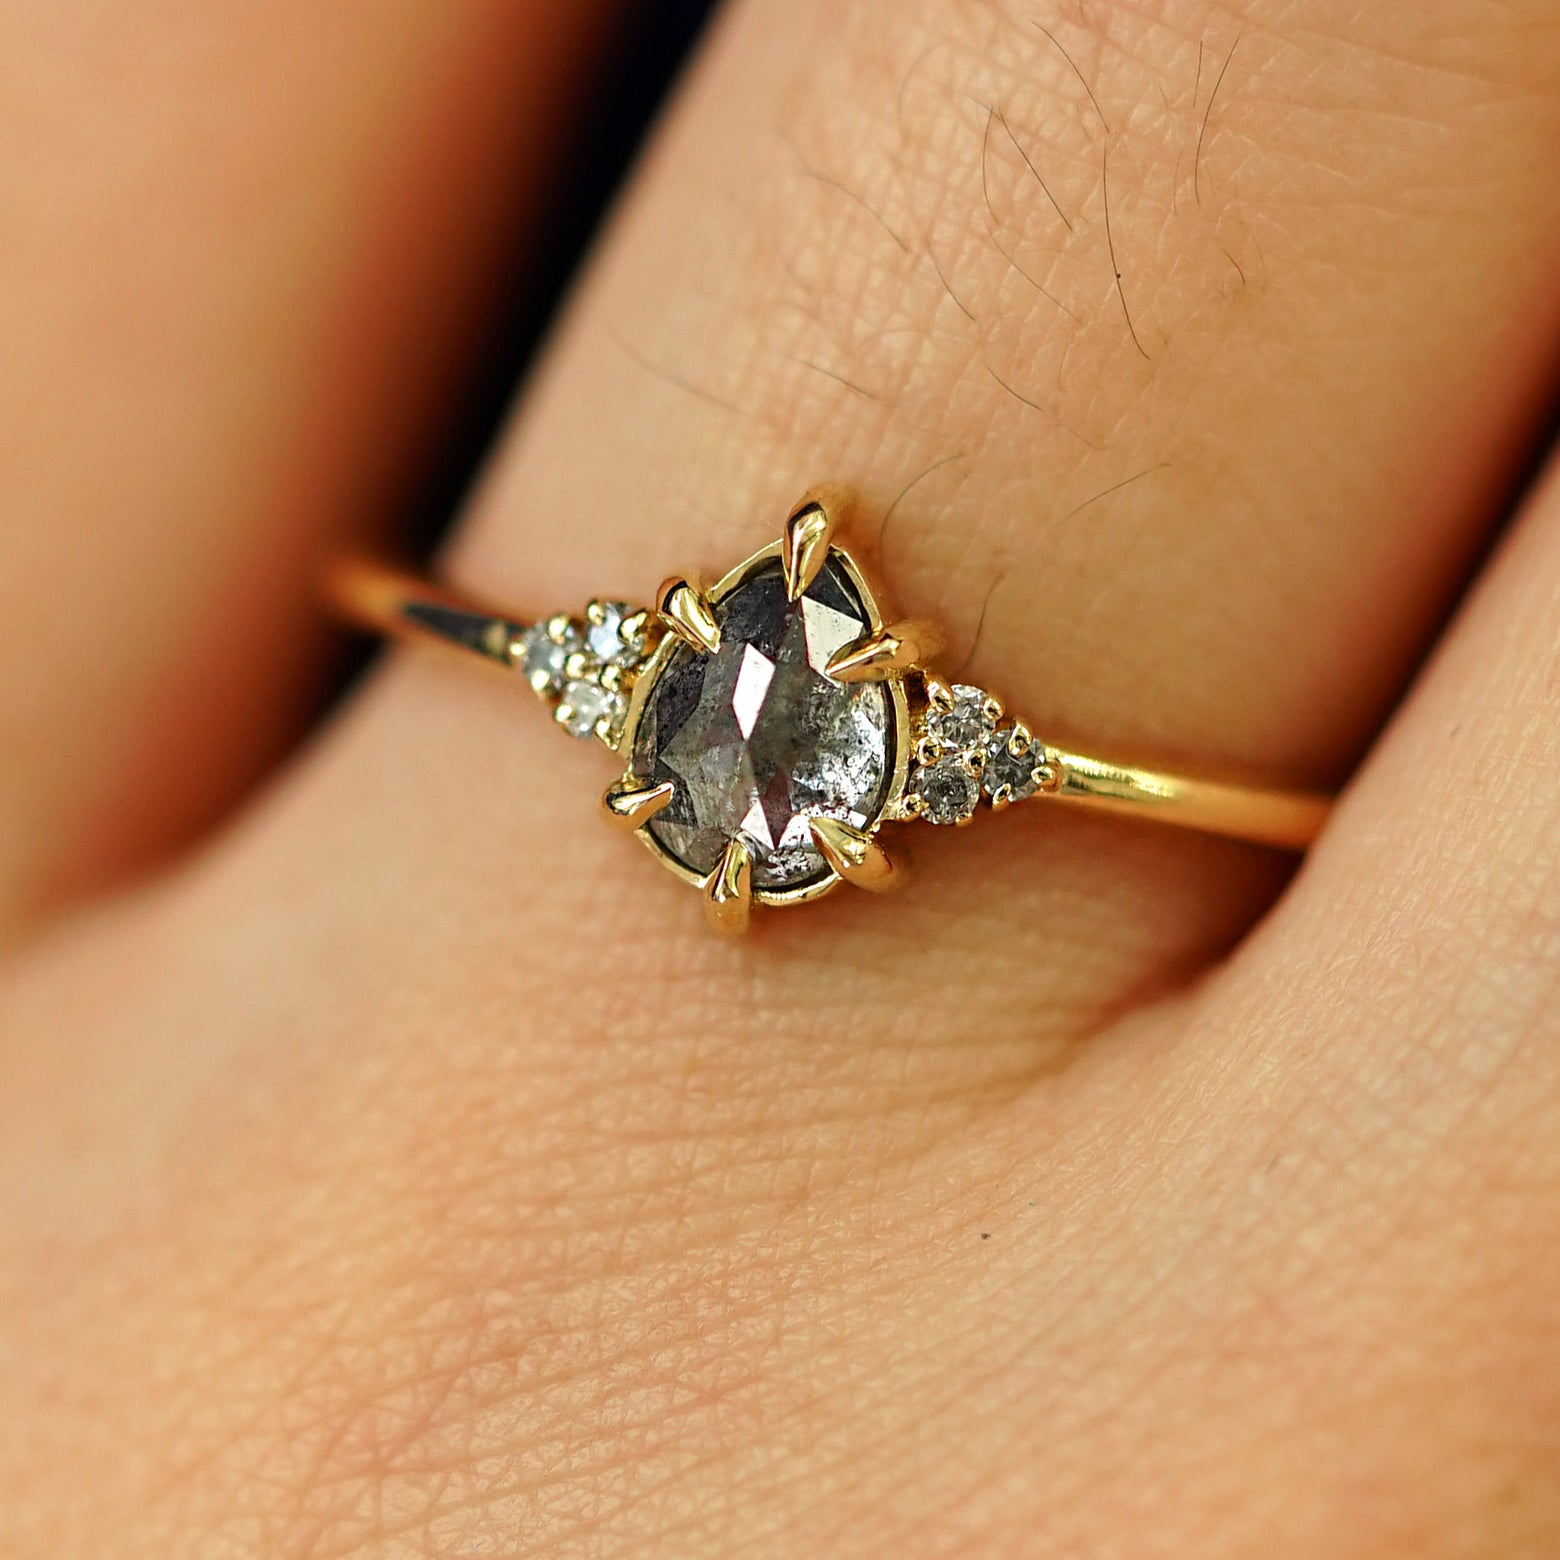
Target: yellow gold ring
{"points": [[772, 724]]}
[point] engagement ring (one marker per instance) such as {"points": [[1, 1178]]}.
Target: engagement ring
{"points": [[775, 726]]}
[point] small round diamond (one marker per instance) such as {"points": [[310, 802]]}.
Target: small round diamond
{"points": [[1010, 770], [606, 637], [585, 705], [948, 792], [967, 725], [546, 655]]}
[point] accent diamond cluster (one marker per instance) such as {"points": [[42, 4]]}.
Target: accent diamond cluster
{"points": [[966, 747], [584, 668]]}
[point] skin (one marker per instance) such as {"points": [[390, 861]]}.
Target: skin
{"points": [[231, 334], [405, 1172]]}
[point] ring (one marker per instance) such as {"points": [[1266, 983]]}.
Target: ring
{"points": [[772, 724]]}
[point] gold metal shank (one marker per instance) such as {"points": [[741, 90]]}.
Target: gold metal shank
{"points": [[1285, 820]]}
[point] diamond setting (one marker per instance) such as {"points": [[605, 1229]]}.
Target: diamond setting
{"points": [[1013, 767], [586, 704], [545, 652], [585, 667], [752, 770], [947, 791], [966, 746], [965, 720], [756, 739], [614, 633]]}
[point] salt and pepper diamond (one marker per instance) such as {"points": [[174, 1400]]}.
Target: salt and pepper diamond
{"points": [[757, 742]]}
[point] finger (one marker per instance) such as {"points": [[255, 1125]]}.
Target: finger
{"points": [[1378, 1092], [546, 1160], [246, 263], [1431, 912]]}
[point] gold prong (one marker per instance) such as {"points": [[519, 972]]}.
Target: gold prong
{"points": [[887, 654], [939, 695], [805, 547], [499, 642], [834, 499], [685, 610], [631, 805], [728, 890], [856, 856]]}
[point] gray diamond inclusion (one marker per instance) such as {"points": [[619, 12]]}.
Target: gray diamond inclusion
{"points": [[756, 740]]}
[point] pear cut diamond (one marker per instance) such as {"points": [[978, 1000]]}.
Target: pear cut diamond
{"points": [[756, 739]]}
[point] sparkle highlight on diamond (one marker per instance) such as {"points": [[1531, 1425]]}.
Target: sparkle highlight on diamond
{"points": [[756, 739]]}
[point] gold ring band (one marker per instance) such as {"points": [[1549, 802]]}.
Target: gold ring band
{"points": [[772, 724]]}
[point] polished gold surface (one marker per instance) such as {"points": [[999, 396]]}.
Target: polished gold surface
{"points": [[805, 547], [1287, 820], [685, 610], [632, 806], [857, 856], [386, 600], [889, 654], [728, 890], [555, 657]]}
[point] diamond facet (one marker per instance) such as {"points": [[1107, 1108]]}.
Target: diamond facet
{"points": [[585, 704], [546, 655], [967, 725], [757, 740], [605, 637], [948, 791], [1015, 771]]}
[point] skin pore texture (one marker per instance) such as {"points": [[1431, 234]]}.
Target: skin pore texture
{"points": [[406, 1172]]}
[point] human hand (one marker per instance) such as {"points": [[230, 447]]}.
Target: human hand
{"points": [[407, 1173]]}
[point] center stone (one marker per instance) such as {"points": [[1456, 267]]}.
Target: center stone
{"points": [[756, 740]]}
